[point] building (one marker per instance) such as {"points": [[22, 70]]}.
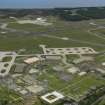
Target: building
{"points": [[52, 98], [67, 51], [32, 60], [35, 88], [100, 70], [103, 63], [19, 68], [53, 57], [73, 70]]}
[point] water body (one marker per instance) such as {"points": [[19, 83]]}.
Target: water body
{"points": [[49, 3]]}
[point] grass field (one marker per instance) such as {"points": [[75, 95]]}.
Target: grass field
{"points": [[76, 31], [78, 89], [74, 88], [10, 96], [100, 32], [102, 102]]}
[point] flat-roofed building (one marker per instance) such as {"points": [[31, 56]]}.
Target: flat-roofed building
{"points": [[53, 57], [103, 63], [35, 88], [52, 98], [32, 60], [73, 70], [82, 73], [67, 51], [19, 68]]}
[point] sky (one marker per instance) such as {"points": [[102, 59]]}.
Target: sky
{"points": [[49, 3]]}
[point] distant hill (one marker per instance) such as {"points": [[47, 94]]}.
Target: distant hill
{"points": [[68, 14]]}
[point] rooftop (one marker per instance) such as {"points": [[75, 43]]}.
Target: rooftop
{"points": [[52, 97]]}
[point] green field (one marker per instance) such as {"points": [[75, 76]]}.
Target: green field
{"points": [[80, 88], [76, 31], [74, 88], [100, 32], [9, 96]]}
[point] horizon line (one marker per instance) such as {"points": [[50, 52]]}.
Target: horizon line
{"points": [[49, 7]]}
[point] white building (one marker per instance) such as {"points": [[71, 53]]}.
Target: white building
{"points": [[38, 21], [73, 70], [103, 64], [52, 97], [82, 73]]}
